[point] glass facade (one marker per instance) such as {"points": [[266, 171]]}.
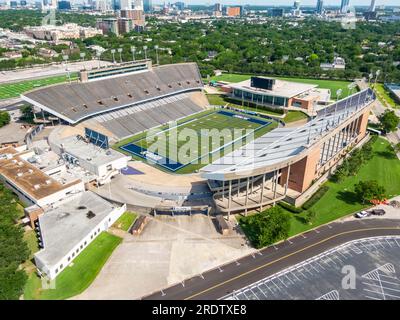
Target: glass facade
{"points": [[260, 98]]}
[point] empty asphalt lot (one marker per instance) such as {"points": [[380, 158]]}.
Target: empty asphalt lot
{"points": [[234, 276]]}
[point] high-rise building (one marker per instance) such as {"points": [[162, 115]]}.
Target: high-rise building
{"points": [[64, 5], [108, 25], [137, 4], [296, 5], [218, 7], [147, 6], [125, 4], [277, 12], [233, 11], [344, 7], [179, 5], [103, 5], [136, 16], [320, 7], [372, 6]]}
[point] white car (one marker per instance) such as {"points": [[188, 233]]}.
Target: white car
{"points": [[362, 214]]}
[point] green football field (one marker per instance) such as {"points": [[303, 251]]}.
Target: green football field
{"points": [[199, 140], [12, 90]]}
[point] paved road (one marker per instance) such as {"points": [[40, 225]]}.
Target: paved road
{"points": [[219, 282]]}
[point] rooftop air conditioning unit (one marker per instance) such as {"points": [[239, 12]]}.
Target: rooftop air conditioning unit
{"points": [[36, 186], [19, 174]]}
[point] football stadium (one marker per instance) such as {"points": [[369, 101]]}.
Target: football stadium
{"points": [[228, 159]]}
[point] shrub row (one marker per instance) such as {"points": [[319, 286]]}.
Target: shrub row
{"points": [[315, 197], [290, 207]]}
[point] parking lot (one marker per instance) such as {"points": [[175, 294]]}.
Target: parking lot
{"points": [[376, 263]]}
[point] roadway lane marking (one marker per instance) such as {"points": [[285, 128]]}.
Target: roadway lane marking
{"points": [[287, 256]]}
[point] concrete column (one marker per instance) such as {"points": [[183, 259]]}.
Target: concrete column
{"points": [[252, 184], [321, 160], [223, 190], [229, 198], [327, 151], [238, 187], [262, 192], [287, 180], [276, 173], [247, 196]]}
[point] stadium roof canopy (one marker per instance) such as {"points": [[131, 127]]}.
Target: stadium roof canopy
{"points": [[74, 102], [281, 146]]}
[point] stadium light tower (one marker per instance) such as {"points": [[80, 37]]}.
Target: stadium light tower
{"points": [[145, 52], [370, 76], [377, 73], [113, 54], [133, 50], [65, 58], [120, 54], [156, 47]]}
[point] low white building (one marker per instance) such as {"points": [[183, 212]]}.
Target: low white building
{"points": [[66, 230], [103, 163], [32, 185]]}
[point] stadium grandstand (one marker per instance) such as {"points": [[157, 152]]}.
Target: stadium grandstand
{"points": [[120, 104], [285, 162]]}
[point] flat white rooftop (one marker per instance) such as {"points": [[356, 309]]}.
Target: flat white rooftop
{"points": [[65, 226], [285, 89], [93, 154]]}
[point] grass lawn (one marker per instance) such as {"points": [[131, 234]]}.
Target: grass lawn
{"points": [[77, 277], [340, 200], [333, 85], [12, 90], [292, 116], [385, 95], [125, 220]]}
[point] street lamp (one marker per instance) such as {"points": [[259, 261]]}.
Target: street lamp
{"points": [[156, 47], [98, 55], [133, 50], [120, 54], [113, 54], [82, 55], [145, 52]]}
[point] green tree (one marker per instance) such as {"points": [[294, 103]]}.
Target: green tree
{"points": [[27, 112], [13, 249], [310, 216], [268, 226], [4, 118], [389, 121], [369, 190]]}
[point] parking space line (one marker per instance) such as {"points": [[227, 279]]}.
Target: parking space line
{"points": [[369, 297], [282, 282], [272, 280]]}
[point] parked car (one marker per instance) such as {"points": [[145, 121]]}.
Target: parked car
{"points": [[378, 212], [362, 214]]}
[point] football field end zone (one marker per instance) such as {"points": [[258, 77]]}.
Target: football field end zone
{"points": [[172, 165]]}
